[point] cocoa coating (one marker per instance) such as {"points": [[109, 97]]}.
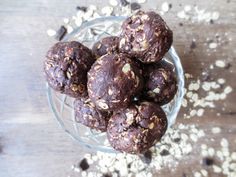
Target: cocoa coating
{"points": [[145, 36], [87, 114], [137, 128], [161, 83], [66, 67], [113, 80], [106, 45]]}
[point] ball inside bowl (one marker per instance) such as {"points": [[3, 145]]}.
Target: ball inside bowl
{"points": [[62, 105]]}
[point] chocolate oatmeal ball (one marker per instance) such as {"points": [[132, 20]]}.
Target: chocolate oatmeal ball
{"points": [[137, 128], [161, 83], [113, 80], [146, 36], [87, 114], [66, 67], [106, 45]]}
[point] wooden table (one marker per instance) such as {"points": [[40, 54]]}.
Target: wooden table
{"points": [[31, 142]]}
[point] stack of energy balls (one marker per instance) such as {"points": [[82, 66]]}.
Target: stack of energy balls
{"points": [[121, 83]]}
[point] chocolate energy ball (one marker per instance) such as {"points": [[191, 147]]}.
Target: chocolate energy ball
{"points": [[146, 36], [113, 80], [106, 45], [161, 83], [66, 67], [137, 128], [87, 114]]}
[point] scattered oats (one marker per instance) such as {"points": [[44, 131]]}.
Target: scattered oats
{"points": [[193, 112], [66, 20], [197, 174], [204, 146], [204, 172], [212, 45], [200, 112], [194, 137], [51, 32], [216, 169], [107, 10], [187, 8], [204, 153], [220, 63], [224, 142], [211, 151], [165, 6], [69, 28], [78, 21], [211, 66], [221, 81], [228, 89], [184, 102], [206, 86], [215, 15], [216, 130], [187, 75], [182, 14], [113, 2], [141, 1], [233, 156]]}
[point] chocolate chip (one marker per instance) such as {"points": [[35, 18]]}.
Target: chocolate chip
{"points": [[107, 175], [129, 165], [177, 140], [164, 152], [124, 2], [170, 5], [181, 24], [61, 33], [84, 164], [146, 157], [184, 175], [135, 6], [207, 161], [228, 65], [82, 8], [193, 45], [211, 21]]}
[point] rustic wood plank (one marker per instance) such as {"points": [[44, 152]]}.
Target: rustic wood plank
{"points": [[31, 143]]}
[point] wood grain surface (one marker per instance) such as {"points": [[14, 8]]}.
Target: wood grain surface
{"points": [[31, 142]]}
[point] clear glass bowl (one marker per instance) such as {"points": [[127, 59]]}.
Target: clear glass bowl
{"points": [[62, 105]]}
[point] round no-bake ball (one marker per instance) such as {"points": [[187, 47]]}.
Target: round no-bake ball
{"points": [[87, 114], [146, 36], [161, 83], [66, 67], [113, 80], [106, 45], [137, 128]]}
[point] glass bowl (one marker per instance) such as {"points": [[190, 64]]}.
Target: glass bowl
{"points": [[62, 105]]}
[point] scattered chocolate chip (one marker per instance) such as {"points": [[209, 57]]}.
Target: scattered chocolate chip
{"points": [[177, 140], [146, 157], [181, 24], [124, 2], [82, 8], [228, 65], [61, 33], [170, 5], [135, 6], [207, 161], [164, 152], [193, 45], [184, 175], [107, 175], [129, 165], [211, 21], [84, 164]]}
